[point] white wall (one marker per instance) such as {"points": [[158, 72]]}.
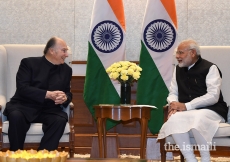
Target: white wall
{"points": [[79, 69], [35, 21]]}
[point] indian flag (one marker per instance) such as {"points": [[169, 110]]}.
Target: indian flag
{"points": [[158, 42], [106, 45]]}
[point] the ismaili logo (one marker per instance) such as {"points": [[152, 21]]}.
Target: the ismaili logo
{"points": [[211, 146]]}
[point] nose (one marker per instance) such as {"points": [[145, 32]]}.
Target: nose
{"points": [[177, 56], [66, 54]]}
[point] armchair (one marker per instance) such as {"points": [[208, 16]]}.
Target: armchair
{"points": [[10, 57], [220, 55]]}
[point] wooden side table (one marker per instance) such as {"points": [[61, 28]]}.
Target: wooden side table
{"points": [[124, 113]]}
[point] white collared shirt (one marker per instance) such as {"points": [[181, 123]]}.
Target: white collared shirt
{"points": [[213, 82]]}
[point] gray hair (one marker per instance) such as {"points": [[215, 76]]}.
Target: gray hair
{"points": [[51, 43], [192, 45]]}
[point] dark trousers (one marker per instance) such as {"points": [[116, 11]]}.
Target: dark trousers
{"points": [[53, 127]]}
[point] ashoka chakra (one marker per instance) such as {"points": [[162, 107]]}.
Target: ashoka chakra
{"points": [[159, 35], [107, 36]]}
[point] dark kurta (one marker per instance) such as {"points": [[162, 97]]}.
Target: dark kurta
{"points": [[36, 76]]}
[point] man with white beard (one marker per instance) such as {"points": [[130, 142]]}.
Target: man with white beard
{"points": [[195, 102]]}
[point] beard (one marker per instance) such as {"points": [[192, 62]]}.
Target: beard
{"points": [[186, 62]]}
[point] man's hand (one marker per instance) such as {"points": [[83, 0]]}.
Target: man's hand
{"points": [[176, 106], [61, 98], [58, 97], [171, 112], [51, 95]]}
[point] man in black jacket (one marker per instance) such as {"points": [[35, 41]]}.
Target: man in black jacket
{"points": [[43, 87], [195, 102]]}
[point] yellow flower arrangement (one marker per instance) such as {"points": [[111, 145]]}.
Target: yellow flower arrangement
{"points": [[124, 71], [33, 156]]}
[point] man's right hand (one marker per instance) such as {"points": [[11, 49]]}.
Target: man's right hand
{"points": [[175, 107], [58, 97], [51, 95], [171, 112]]}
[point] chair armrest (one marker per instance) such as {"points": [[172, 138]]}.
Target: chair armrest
{"points": [[2, 107], [68, 109], [1, 118], [72, 131], [71, 114], [165, 110]]}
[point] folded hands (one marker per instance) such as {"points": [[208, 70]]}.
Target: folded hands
{"points": [[59, 97]]}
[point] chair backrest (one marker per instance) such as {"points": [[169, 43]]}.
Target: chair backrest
{"points": [[220, 55], [14, 54], [2, 71]]}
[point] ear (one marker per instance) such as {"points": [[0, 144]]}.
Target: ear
{"points": [[51, 51], [193, 53]]}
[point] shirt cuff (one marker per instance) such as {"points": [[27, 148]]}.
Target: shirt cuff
{"points": [[188, 106]]}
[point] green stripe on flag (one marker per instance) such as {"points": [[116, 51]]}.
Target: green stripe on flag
{"points": [[98, 88], [151, 89]]}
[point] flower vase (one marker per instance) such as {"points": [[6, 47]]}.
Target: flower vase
{"points": [[125, 93]]}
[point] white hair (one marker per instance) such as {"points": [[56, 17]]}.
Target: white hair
{"points": [[192, 45]]}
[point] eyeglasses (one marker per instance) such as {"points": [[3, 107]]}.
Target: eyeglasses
{"points": [[182, 52]]}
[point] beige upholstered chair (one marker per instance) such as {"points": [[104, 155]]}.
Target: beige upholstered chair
{"points": [[220, 55], [10, 57]]}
